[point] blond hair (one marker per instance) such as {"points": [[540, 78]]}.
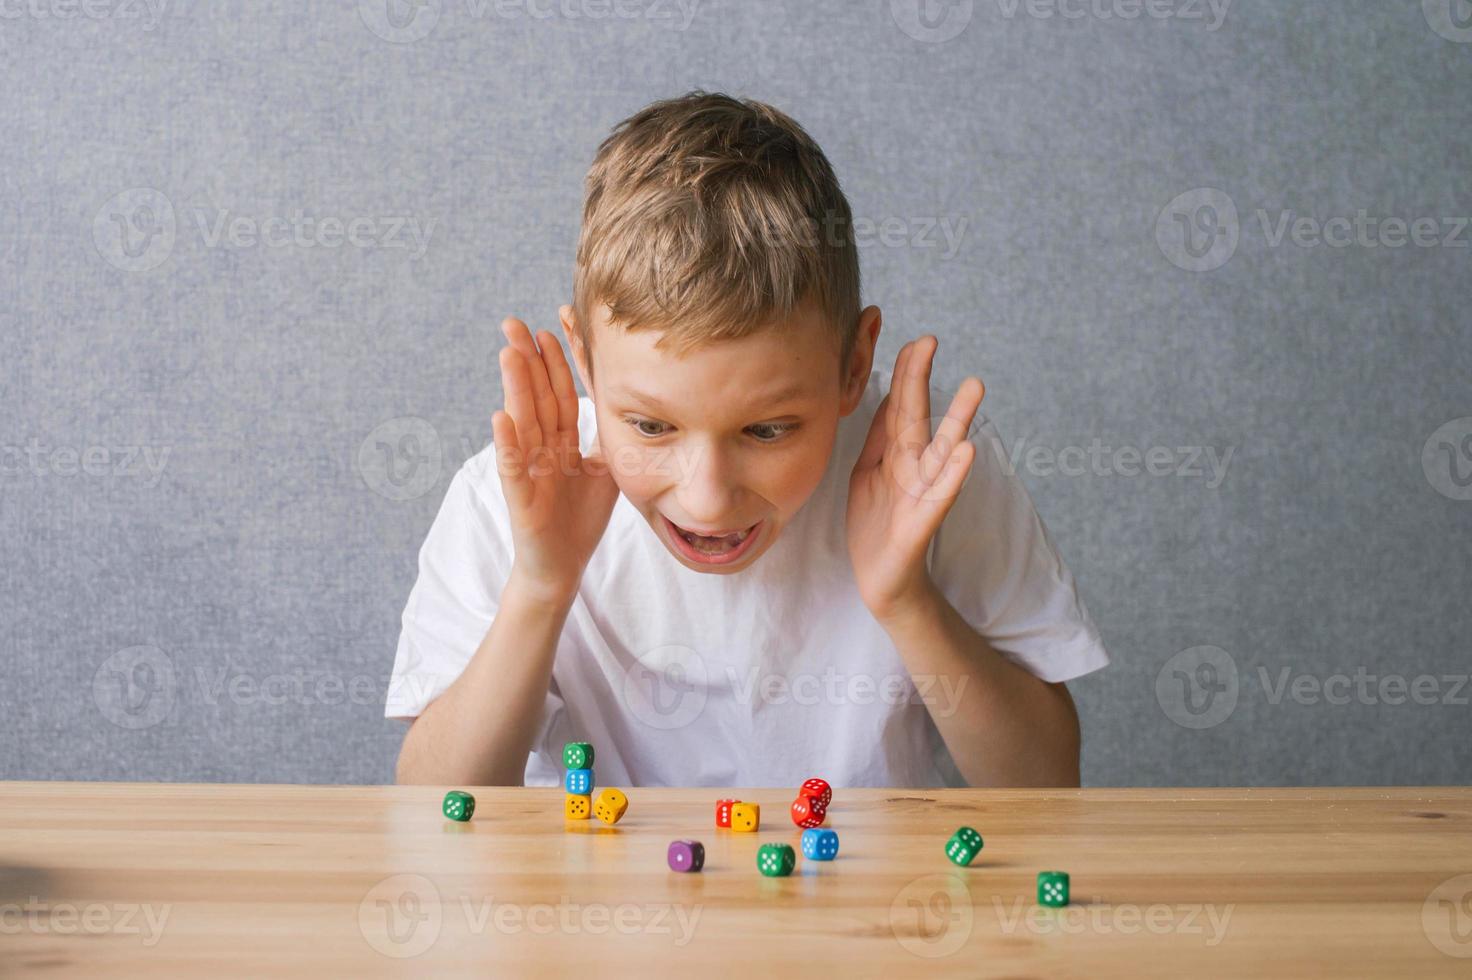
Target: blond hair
{"points": [[708, 218]]}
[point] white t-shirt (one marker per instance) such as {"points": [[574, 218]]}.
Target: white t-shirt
{"points": [[761, 678]]}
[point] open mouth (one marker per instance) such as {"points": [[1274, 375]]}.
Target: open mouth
{"points": [[712, 550]]}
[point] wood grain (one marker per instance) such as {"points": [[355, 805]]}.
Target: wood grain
{"points": [[101, 879]]}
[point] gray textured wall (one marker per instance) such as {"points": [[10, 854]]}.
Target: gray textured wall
{"points": [[206, 552]]}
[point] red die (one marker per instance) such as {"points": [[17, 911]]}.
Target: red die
{"points": [[819, 790], [723, 812], [808, 811]]}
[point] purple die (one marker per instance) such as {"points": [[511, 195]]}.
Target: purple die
{"points": [[686, 855]]}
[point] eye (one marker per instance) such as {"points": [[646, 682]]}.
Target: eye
{"points": [[779, 429], [637, 423]]}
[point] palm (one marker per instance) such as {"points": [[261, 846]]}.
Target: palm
{"points": [[905, 480], [559, 500]]}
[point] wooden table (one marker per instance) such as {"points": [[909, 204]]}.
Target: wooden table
{"points": [[100, 879]]}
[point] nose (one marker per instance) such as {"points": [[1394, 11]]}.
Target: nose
{"points": [[710, 490]]}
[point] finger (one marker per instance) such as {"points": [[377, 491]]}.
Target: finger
{"points": [[892, 419], [914, 412], [948, 482], [519, 402], [877, 440], [543, 399], [954, 426], [560, 375], [510, 463]]}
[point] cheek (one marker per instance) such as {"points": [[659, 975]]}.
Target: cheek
{"points": [[794, 479]]}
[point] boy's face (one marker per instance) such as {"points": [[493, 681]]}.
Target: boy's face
{"points": [[733, 437]]}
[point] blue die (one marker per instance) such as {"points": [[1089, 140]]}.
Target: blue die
{"points": [[819, 844], [579, 781]]}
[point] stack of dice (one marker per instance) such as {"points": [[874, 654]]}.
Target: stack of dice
{"points": [[809, 811], [577, 757]]}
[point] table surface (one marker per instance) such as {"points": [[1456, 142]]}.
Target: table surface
{"points": [[105, 879]]}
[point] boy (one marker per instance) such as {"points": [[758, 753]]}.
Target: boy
{"points": [[735, 564]]}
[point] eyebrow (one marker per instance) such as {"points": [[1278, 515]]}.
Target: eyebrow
{"points": [[779, 397]]}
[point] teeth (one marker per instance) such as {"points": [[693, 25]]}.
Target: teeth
{"points": [[714, 546]]}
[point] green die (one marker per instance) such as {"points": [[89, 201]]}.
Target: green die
{"points": [[577, 755], [776, 860], [458, 805], [1053, 888], [963, 846]]}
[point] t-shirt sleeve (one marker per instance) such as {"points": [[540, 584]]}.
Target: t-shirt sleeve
{"points": [[463, 565], [994, 559]]}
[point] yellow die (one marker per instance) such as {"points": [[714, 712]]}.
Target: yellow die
{"points": [[577, 806], [610, 805], [746, 817]]}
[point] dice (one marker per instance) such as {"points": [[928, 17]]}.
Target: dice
{"points": [[579, 781], [808, 811], [1053, 888], [458, 805], [577, 806], [723, 812], [819, 845], [577, 755], [610, 806], [745, 817], [775, 860], [964, 845], [686, 855], [818, 789]]}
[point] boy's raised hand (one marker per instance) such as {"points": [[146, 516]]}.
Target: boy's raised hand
{"points": [[905, 481], [559, 500]]}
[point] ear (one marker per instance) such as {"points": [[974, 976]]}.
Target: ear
{"points": [[861, 361], [575, 344]]}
